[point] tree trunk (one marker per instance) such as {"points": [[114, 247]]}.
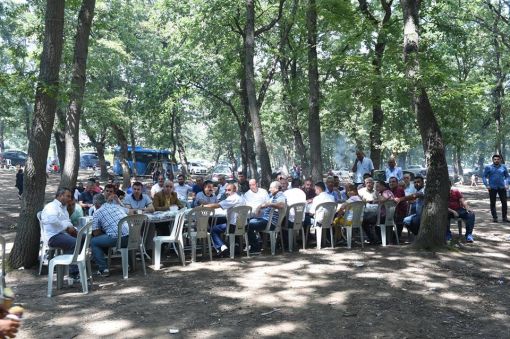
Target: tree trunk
{"points": [[180, 146], [26, 243], [314, 123], [72, 130], [102, 161], [133, 153], [123, 154], [258, 135], [458, 158], [59, 135], [2, 136], [434, 216]]}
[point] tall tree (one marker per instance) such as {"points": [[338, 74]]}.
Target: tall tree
{"points": [[314, 122], [24, 251], [434, 215], [72, 127]]}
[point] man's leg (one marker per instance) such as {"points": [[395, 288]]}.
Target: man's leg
{"points": [[66, 242], [216, 235], [98, 244], [255, 225], [502, 198], [469, 218], [492, 197]]}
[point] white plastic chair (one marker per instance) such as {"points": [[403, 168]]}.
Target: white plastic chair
{"points": [[45, 251], [356, 209], [328, 210], [242, 213], [175, 237], [198, 223], [79, 257], [389, 220], [299, 212], [135, 242], [273, 233], [2, 270]]}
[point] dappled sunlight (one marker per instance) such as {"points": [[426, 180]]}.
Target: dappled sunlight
{"points": [[110, 327], [271, 330], [130, 290]]}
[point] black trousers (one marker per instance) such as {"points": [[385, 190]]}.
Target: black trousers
{"points": [[502, 197]]}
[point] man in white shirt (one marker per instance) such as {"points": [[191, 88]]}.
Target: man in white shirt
{"points": [[368, 193], [408, 187], [57, 226], [393, 171], [321, 197], [182, 189], [293, 196], [233, 199], [361, 166], [222, 188], [255, 196], [157, 187]]}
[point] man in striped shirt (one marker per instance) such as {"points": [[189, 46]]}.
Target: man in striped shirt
{"points": [[105, 230]]}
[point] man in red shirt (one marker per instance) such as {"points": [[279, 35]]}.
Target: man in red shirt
{"points": [[402, 207], [457, 207]]}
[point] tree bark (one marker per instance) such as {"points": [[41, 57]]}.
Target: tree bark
{"points": [[2, 136], [314, 123], [123, 154], [133, 153], [181, 150], [59, 135], [26, 243], [434, 216], [72, 130]]}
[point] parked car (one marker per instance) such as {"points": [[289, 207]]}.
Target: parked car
{"points": [[222, 170], [90, 160], [16, 158], [416, 170], [196, 168]]}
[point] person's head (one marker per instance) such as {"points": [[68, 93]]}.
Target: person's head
{"points": [[221, 179], [320, 187], [109, 189], [241, 177], [89, 187], [180, 179], [296, 183], [99, 200], [418, 182], [391, 162], [274, 187], [71, 205], [253, 185], [330, 183], [360, 155], [283, 180], [308, 184], [199, 181], [380, 186], [407, 179], [231, 189], [80, 185], [496, 159], [369, 183], [351, 190], [393, 182], [208, 187], [63, 195], [137, 188], [110, 180], [116, 184], [161, 180], [336, 181], [168, 186], [366, 175]]}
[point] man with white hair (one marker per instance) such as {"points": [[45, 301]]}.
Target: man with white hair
{"points": [[255, 196], [275, 200], [158, 186]]}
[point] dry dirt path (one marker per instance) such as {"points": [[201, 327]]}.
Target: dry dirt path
{"points": [[397, 293]]}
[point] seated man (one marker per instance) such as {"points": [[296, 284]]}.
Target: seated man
{"points": [[198, 186], [255, 196], [118, 192], [86, 197], [408, 187], [222, 187], [309, 190], [412, 222], [206, 196], [158, 186], [293, 196], [105, 231], [138, 200], [75, 211], [242, 183], [166, 198], [276, 200], [58, 228], [458, 208], [321, 197], [233, 199], [182, 189], [393, 171]]}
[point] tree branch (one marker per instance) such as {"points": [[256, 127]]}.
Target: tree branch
{"points": [[363, 7], [267, 82], [270, 25]]}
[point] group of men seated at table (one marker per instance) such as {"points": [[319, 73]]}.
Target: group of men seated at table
{"points": [[60, 217]]}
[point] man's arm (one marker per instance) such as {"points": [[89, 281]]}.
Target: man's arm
{"points": [[149, 208], [484, 176], [410, 197]]}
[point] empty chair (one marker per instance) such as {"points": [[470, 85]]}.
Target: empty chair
{"points": [[328, 210], [175, 237], [134, 242], [273, 232], [299, 212], [353, 211], [241, 222], [389, 219], [79, 257], [45, 251], [198, 223]]}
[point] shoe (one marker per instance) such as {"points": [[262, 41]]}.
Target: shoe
{"points": [[506, 220], [223, 250], [495, 220], [448, 237], [469, 238], [103, 273]]}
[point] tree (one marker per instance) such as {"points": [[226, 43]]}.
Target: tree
{"points": [[24, 251], [434, 216]]}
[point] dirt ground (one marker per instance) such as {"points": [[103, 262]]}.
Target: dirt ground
{"points": [[390, 292]]}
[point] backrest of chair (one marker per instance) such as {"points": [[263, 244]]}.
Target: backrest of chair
{"points": [[356, 207], [282, 214], [2, 260], [390, 207], [200, 217], [79, 250], [328, 213], [299, 212], [178, 225], [135, 223], [242, 213]]}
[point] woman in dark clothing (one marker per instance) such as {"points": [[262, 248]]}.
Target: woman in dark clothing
{"points": [[19, 182]]}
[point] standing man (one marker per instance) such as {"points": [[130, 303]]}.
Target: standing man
{"points": [[494, 179], [393, 171], [362, 165]]}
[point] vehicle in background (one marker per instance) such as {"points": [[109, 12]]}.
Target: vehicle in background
{"points": [[90, 160], [146, 161], [343, 174], [416, 170], [222, 170], [196, 168], [15, 157]]}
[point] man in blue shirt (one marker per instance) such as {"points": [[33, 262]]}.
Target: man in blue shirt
{"points": [[494, 179]]}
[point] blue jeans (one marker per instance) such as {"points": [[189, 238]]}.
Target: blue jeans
{"points": [[101, 242], [256, 225], [469, 218], [216, 235], [413, 223], [66, 242]]}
